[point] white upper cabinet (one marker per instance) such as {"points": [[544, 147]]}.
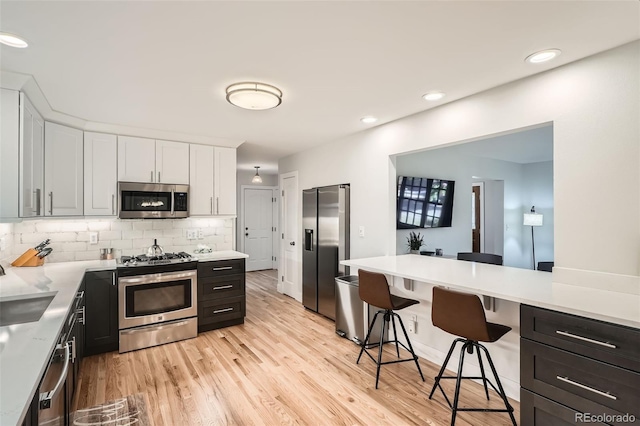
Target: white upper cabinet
{"points": [[148, 160], [31, 160], [212, 189], [172, 162], [63, 165], [225, 181], [201, 194], [100, 174], [136, 159], [9, 153]]}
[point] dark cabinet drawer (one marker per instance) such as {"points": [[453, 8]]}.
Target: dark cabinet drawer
{"points": [[536, 410], [581, 383], [210, 288], [215, 311], [603, 341], [220, 268]]}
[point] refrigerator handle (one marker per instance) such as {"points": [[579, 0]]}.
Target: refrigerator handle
{"points": [[344, 213], [308, 239]]}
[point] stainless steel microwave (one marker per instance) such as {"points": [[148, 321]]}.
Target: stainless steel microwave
{"points": [[152, 201]]}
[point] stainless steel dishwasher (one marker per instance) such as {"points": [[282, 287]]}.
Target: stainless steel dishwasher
{"points": [[353, 316], [52, 408]]}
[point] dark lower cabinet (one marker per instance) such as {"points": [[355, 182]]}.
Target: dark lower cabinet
{"points": [[101, 312], [576, 370], [221, 294]]}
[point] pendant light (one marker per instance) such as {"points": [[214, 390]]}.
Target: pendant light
{"points": [[256, 178]]}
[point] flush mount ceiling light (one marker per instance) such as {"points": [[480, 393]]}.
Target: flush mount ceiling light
{"points": [[368, 120], [257, 178], [542, 56], [255, 96], [433, 96], [13, 40]]}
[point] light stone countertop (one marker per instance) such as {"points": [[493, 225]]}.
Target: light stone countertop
{"points": [[535, 288], [25, 348], [220, 255]]}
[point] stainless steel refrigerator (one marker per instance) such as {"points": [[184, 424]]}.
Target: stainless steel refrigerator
{"points": [[325, 220]]}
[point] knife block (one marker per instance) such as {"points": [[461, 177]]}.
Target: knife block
{"points": [[28, 258]]}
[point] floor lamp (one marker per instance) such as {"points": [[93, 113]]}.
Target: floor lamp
{"points": [[533, 219]]}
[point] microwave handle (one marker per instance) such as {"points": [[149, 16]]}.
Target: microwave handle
{"points": [[173, 199]]}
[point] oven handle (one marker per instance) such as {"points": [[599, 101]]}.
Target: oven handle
{"points": [[153, 326], [154, 278], [46, 397]]}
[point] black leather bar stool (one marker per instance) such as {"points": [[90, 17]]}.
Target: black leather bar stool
{"points": [[374, 290], [462, 314]]}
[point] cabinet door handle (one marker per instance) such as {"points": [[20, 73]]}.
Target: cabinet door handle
{"points": [[46, 397], [51, 206], [113, 279], [37, 192], [113, 203], [219, 311], [217, 205], [158, 177], [80, 313], [73, 349], [586, 339], [585, 387], [211, 205], [152, 176], [223, 268], [223, 287]]}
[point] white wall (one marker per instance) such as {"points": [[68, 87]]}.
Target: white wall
{"points": [[538, 192], [505, 195], [594, 107]]}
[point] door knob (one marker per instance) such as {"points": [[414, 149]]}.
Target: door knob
{"points": [[293, 243], [246, 234], [246, 229]]}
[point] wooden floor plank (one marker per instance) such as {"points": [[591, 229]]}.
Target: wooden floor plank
{"points": [[285, 365]]}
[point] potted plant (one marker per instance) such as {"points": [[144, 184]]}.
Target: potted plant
{"points": [[415, 241]]}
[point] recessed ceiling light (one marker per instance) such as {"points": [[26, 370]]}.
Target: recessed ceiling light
{"points": [[252, 95], [368, 119], [13, 40], [542, 56], [433, 96]]}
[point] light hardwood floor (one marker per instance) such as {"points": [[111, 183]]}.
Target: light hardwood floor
{"points": [[285, 365]]}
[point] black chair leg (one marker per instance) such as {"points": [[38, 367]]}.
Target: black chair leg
{"points": [[406, 336], [379, 363], [444, 366], [366, 339], [484, 378], [395, 334], [500, 388], [458, 383]]}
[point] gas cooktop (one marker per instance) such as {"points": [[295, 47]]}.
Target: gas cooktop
{"points": [[163, 259]]}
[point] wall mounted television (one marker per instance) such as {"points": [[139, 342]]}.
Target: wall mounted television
{"points": [[424, 203]]}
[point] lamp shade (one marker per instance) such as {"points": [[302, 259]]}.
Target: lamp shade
{"points": [[255, 96], [532, 219]]}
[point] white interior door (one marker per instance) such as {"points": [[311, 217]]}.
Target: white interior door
{"points": [[290, 263], [258, 228]]}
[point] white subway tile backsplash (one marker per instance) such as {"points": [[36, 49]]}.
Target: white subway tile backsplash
{"points": [[70, 238]]}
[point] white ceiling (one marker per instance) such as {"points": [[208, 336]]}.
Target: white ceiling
{"points": [[165, 65]]}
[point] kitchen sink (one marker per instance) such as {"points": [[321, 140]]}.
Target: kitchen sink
{"points": [[24, 309]]}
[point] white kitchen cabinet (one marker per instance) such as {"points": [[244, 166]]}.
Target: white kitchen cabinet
{"points": [[172, 162], [136, 159], [9, 153], [63, 166], [148, 160], [225, 181], [100, 174], [212, 187], [31, 177], [201, 178]]}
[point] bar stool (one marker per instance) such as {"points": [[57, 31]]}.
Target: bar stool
{"points": [[374, 290], [462, 314]]}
